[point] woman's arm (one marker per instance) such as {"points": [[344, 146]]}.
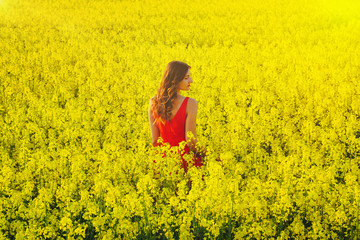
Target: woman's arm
{"points": [[154, 128], [190, 126]]}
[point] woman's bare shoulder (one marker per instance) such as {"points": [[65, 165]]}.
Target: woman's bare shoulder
{"points": [[151, 102], [192, 101], [192, 104]]}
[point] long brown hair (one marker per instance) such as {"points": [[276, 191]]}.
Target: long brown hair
{"points": [[163, 101]]}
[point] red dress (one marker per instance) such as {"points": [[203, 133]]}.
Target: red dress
{"points": [[173, 132]]}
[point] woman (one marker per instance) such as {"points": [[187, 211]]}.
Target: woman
{"points": [[172, 115]]}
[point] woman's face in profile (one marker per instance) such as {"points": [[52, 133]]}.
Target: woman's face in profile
{"points": [[185, 83]]}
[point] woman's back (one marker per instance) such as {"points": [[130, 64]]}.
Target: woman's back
{"points": [[173, 131]]}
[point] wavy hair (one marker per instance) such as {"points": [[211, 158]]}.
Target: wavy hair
{"points": [[163, 101]]}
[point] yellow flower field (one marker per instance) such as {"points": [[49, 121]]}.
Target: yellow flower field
{"points": [[277, 83]]}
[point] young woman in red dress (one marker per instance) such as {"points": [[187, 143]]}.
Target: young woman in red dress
{"points": [[172, 115]]}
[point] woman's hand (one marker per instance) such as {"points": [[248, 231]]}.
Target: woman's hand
{"points": [[202, 152]]}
